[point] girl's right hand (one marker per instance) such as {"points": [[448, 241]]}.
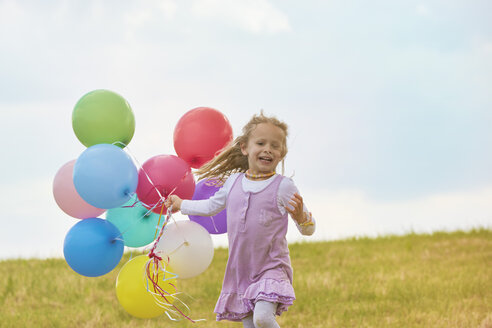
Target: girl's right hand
{"points": [[173, 201]]}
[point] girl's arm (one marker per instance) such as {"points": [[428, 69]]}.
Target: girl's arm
{"points": [[297, 210], [304, 220], [204, 207], [292, 202]]}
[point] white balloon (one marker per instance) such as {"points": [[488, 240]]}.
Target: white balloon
{"points": [[188, 246]]}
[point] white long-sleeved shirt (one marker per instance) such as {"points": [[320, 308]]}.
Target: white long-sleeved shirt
{"points": [[217, 202]]}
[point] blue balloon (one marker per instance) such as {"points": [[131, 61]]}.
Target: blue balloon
{"points": [[93, 247], [137, 223], [105, 176]]}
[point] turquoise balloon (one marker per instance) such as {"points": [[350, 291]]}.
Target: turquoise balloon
{"points": [[137, 226]]}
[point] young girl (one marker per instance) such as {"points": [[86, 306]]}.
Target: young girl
{"points": [[258, 279]]}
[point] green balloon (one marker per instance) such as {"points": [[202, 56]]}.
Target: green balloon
{"points": [[137, 224], [103, 116]]}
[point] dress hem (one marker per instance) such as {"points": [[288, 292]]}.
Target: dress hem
{"points": [[235, 306]]}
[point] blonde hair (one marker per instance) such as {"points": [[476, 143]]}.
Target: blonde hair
{"points": [[231, 159]]}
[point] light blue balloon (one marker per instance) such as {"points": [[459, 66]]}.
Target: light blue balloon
{"points": [[137, 223], [105, 176], [93, 247]]}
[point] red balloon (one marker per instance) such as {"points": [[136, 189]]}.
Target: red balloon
{"points": [[169, 174], [200, 134]]}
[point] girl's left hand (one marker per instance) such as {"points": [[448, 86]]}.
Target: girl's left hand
{"points": [[296, 211], [173, 201]]}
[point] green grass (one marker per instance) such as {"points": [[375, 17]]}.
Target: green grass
{"points": [[438, 280]]}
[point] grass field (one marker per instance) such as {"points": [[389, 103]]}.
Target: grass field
{"points": [[438, 280]]}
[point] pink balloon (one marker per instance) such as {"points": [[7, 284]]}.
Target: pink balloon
{"points": [[169, 174], [67, 197]]}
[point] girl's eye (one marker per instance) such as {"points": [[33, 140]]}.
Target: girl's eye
{"points": [[260, 143]]}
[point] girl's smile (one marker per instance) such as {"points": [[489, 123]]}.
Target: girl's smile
{"points": [[265, 148]]}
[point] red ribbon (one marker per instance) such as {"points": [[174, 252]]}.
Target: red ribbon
{"points": [[155, 260]]}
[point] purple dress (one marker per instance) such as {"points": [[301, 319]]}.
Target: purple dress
{"points": [[259, 266]]}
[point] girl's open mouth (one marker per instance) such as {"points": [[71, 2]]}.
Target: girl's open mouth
{"points": [[265, 159]]}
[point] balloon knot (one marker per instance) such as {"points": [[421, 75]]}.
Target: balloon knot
{"points": [[153, 255]]}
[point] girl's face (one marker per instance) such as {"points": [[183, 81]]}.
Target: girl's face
{"points": [[264, 148]]}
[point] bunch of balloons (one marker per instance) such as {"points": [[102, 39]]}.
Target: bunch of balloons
{"points": [[104, 178]]}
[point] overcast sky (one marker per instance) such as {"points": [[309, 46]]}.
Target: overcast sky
{"points": [[388, 102]]}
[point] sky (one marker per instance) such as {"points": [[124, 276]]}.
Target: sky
{"points": [[388, 102]]}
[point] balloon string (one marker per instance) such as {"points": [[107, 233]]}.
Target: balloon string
{"points": [[162, 297], [154, 258], [159, 222], [132, 205], [163, 198], [127, 149], [161, 202], [158, 291], [154, 278], [213, 222], [169, 194], [137, 221], [180, 245], [140, 166], [131, 226], [152, 254]]}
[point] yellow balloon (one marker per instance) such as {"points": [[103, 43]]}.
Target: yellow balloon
{"points": [[136, 295]]}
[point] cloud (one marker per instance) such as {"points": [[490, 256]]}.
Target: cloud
{"points": [[255, 16], [11, 11], [423, 10]]}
